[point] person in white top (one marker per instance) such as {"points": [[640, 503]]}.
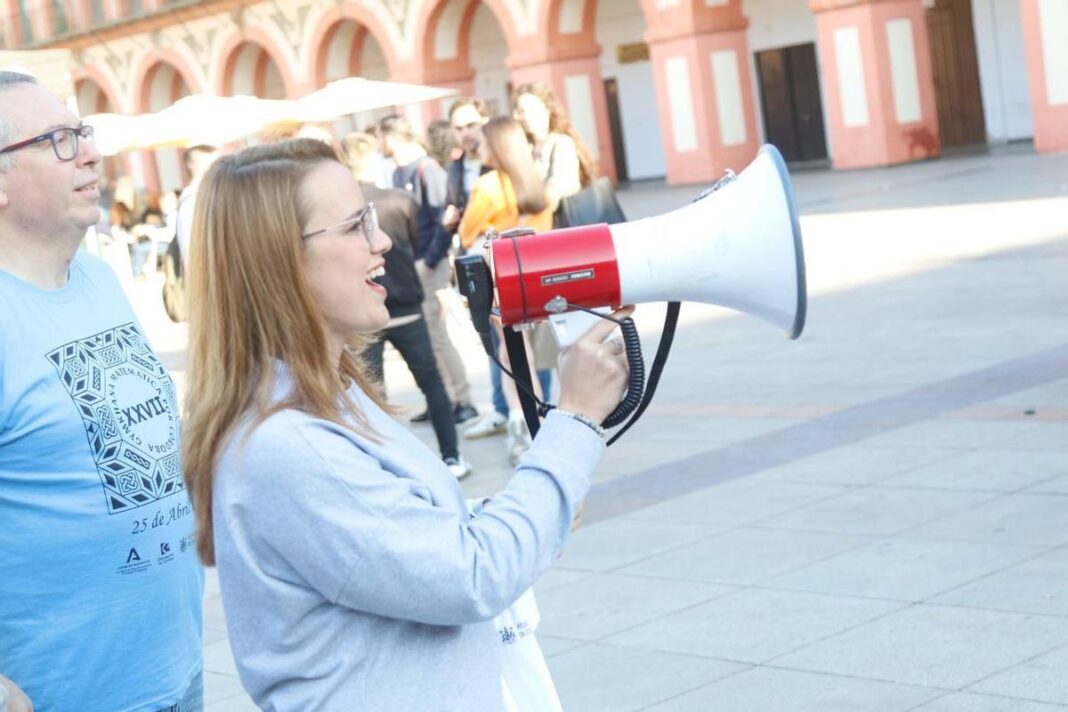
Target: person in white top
{"points": [[559, 152]]}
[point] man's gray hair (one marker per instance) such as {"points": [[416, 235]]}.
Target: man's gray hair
{"points": [[9, 79]]}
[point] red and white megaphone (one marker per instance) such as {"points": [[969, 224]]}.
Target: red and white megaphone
{"points": [[737, 246]]}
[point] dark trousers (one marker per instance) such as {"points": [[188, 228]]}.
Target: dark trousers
{"points": [[412, 341]]}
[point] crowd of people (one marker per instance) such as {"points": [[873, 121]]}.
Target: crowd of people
{"points": [[353, 570]]}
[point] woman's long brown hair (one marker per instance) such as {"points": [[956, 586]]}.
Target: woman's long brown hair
{"points": [[559, 123], [251, 307], [508, 145]]}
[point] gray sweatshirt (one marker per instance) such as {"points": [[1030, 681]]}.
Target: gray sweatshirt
{"points": [[351, 575]]}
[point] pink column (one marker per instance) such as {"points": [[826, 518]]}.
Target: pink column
{"points": [[578, 83], [1045, 29], [704, 89], [878, 81]]}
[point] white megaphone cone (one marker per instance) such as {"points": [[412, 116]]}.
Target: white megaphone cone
{"points": [[737, 247]]}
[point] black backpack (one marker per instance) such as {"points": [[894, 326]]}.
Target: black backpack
{"points": [[174, 283], [173, 278]]}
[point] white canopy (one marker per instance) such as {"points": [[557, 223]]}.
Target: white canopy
{"points": [[216, 120], [355, 95]]}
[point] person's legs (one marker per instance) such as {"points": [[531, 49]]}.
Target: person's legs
{"points": [[412, 341], [193, 700], [193, 697], [545, 380], [451, 365], [499, 403], [493, 422]]}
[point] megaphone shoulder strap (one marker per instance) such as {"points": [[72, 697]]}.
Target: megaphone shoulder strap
{"points": [[520, 367]]}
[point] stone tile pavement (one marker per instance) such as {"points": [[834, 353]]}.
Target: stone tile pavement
{"points": [[871, 518]]}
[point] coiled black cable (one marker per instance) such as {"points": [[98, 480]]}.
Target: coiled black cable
{"points": [[636, 385]]}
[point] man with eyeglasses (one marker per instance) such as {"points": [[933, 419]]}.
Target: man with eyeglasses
{"points": [[420, 175], [100, 588]]}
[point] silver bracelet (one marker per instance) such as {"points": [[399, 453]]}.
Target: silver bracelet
{"points": [[582, 419]]}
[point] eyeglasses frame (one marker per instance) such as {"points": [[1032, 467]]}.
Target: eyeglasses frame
{"points": [[85, 131], [359, 218]]}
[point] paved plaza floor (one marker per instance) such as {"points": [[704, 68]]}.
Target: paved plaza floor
{"points": [[871, 518]]}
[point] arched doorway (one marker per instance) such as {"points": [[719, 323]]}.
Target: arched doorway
{"points": [[92, 99], [466, 48], [350, 49], [788, 83], [251, 70], [487, 50], [630, 86], [164, 85]]}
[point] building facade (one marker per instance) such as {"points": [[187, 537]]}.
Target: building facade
{"points": [[677, 88]]}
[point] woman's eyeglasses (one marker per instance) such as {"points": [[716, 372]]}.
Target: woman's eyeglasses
{"points": [[64, 142], [366, 221]]}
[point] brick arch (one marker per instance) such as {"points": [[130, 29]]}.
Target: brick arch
{"points": [[430, 17], [458, 67], [183, 70], [105, 84], [327, 26], [181, 66], [227, 54]]}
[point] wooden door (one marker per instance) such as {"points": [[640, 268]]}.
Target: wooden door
{"points": [[955, 66], [615, 126], [792, 107]]}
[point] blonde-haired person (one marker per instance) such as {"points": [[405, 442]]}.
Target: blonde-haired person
{"points": [[559, 152], [511, 194], [351, 572]]}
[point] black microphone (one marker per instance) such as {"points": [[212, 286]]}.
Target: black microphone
{"points": [[475, 282]]}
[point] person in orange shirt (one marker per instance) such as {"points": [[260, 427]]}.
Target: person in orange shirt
{"points": [[511, 195]]}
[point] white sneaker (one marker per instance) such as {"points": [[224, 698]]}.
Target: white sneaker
{"points": [[492, 424], [458, 466], [518, 438]]}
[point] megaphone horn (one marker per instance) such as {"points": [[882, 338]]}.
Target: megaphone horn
{"points": [[737, 247]]}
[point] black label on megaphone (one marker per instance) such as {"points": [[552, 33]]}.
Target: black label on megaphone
{"points": [[551, 279]]}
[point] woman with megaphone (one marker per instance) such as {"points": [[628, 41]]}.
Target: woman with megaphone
{"points": [[351, 570]]}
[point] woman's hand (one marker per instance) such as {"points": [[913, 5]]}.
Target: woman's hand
{"points": [[594, 371]]}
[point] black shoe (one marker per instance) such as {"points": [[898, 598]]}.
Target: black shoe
{"points": [[421, 418], [464, 412]]}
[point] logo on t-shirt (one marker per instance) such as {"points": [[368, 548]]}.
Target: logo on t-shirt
{"points": [[127, 403]]}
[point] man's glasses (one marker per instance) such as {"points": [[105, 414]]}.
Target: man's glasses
{"points": [[64, 142], [366, 221]]}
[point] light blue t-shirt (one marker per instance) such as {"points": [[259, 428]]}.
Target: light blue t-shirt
{"points": [[100, 588]]}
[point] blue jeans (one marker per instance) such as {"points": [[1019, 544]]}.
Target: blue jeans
{"points": [[545, 377], [193, 699]]}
